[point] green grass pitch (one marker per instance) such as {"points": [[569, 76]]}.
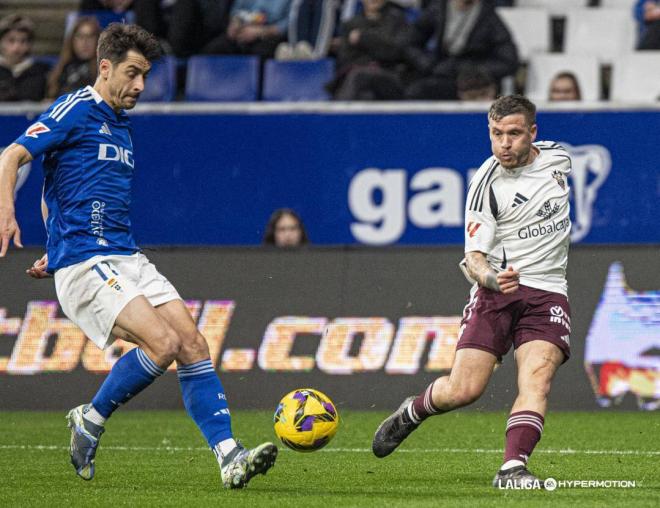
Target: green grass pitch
{"points": [[159, 459]]}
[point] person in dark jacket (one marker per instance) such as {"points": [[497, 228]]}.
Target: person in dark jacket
{"points": [[371, 54], [21, 78], [451, 34], [196, 24]]}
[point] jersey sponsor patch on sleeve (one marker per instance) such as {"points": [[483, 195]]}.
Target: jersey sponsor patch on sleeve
{"points": [[35, 129]]}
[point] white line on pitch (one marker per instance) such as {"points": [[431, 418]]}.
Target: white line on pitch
{"points": [[563, 451]]}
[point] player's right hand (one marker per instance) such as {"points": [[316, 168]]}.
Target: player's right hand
{"points": [[508, 280], [38, 269], [9, 231]]}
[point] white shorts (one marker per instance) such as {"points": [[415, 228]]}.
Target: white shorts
{"points": [[94, 292]]}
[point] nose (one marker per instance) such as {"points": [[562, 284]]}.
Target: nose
{"points": [[138, 85], [506, 141]]}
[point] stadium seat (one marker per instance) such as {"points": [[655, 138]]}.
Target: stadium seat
{"points": [[529, 27], [542, 68], [297, 81], [161, 83], [222, 78], [51, 60], [636, 77], [604, 33], [554, 7]]}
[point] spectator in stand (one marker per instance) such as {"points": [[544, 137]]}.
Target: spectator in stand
{"points": [[21, 77], [285, 229], [647, 13], [197, 26], [256, 27], [76, 66], [564, 87], [475, 84], [116, 6], [155, 16], [452, 33], [371, 54]]}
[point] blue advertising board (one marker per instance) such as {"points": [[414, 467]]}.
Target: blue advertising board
{"points": [[358, 176]]}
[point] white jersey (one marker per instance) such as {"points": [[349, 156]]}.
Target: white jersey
{"points": [[520, 217]]}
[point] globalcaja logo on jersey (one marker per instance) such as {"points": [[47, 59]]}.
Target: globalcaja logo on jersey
{"points": [[110, 152], [35, 129], [547, 210], [544, 229]]}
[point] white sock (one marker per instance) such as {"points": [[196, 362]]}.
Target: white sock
{"points": [[223, 448], [93, 415], [511, 463]]}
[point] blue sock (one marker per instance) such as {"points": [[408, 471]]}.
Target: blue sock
{"points": [[205, 400], [132, 373]]}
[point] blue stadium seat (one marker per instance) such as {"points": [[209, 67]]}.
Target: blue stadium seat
{"points": [[51, 60], [222, 78], [161, 83], [297, 81]]}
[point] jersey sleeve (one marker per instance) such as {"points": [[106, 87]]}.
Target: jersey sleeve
{"points": [[480, 211], [59, 125]]}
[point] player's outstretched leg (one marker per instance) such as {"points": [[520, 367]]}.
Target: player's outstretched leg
{"points": [[205, 401], [469, 376], [241, 464], [85, 437]]}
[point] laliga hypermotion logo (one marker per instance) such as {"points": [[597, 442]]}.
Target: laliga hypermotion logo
{"points": [[591, 167]]}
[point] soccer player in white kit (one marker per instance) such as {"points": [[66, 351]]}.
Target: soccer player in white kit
{"points": [[104, 283], [517, 230]]}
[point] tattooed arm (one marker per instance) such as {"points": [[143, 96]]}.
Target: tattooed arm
{"points": [[479, 269]]}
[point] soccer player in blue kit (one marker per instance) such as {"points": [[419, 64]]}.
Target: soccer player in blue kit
{"points": [[104, 284]]}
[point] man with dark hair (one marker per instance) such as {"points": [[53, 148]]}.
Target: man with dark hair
{"points": [[105, 285], [475, 84], [516, 247], [21, 77]]}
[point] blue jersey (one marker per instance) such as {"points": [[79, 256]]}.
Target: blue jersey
{"points": [[88, 171]]}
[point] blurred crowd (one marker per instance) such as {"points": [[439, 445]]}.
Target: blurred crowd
{"points": [[384, 50]]}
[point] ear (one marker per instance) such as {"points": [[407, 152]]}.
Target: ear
{"points": [[534, 132], [105, 66]]}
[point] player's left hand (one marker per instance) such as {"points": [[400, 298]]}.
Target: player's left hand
{"points": [[38, 269], [508, 280]]}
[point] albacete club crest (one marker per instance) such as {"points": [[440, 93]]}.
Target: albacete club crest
{"points": [[556, 174]]}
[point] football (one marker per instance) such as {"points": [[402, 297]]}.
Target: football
{"points": [[306, 420]]}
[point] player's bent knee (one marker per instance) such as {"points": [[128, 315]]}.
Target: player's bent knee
{"points": [[464, 395], [194, 348], [166, 347]]}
